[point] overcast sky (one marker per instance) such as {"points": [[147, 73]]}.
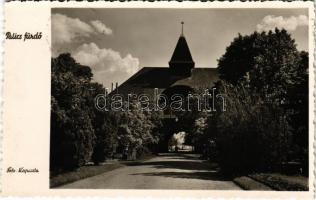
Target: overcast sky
{"points": [[116, 43]]}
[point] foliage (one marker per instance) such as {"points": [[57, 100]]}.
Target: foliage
{"points": [[138, 129], [81, 133], [106, 127], [265, 80], [251, 135], [271, 58], [72, 131]]}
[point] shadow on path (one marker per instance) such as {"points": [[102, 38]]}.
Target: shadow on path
{"points": [[182, 165], [197, 169], [215, 176]]}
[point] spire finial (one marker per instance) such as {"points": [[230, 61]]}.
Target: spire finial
{"points": [[182, 28]]}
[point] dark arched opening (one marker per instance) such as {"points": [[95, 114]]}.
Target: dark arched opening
{"points": [[172, 123]]}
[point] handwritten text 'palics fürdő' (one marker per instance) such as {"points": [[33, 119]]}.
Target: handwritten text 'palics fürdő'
{"points": [[24, 37]]}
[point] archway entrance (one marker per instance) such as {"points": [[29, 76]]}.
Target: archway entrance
{"points": [[175, 122]]}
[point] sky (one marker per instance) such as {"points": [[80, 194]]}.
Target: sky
{"points": [[116, 43]]}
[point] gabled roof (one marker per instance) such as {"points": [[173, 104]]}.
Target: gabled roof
{"points": [[161, 78]]}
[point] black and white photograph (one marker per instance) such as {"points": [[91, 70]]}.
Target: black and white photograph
{"points": [[180, 99]]}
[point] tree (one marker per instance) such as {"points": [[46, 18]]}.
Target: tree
{"points": [[106, 127], [80, 132], [138, 129], [265, 79], [252, 135], [297, 105], [72, 131], [270, 62]]}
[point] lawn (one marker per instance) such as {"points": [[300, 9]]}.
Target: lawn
{"points": [[91, 170], [82, 172], [282, 182]]}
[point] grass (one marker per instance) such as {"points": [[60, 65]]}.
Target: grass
{"points": [[282, 182], [247, 183], [272, 181], [90, 170], [82, 172]]}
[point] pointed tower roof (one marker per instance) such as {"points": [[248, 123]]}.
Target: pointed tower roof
{"points": [[181, 55]]}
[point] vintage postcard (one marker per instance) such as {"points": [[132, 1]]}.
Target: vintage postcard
{"points": [[160, 99]]}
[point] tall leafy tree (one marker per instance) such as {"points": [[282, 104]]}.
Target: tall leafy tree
{"points": [[266, 79], [72, 131]]}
